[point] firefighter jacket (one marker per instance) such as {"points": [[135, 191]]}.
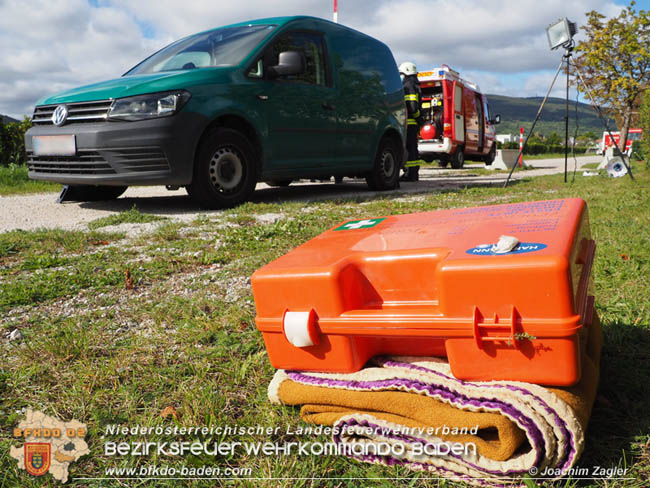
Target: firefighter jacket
{"points": [[412, 97]]}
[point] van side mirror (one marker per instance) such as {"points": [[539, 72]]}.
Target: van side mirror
{"points": [[496, 120], [289, 63]]}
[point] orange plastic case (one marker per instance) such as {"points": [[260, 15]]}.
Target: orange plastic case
{"points": [[431, 284]]}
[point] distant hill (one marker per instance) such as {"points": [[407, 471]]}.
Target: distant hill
{"points": [[6, 119], [520, 112]]}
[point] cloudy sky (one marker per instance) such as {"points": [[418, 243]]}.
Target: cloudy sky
{"points": [[51, 45]]}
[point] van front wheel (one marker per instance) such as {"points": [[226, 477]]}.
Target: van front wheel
{"points": [[385, 171], [224, 171]]}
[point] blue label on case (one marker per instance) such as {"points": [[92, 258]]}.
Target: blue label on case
{"points": [[522, 247]]}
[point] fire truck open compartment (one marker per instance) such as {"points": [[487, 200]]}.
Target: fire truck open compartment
{"points": [[432, 111]]}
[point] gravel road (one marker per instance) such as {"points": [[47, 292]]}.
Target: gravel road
{"points": [[30, 212]]}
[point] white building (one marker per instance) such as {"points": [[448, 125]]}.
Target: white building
{"points": [[503, 138]]}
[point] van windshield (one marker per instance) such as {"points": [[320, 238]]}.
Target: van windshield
{"points": [[222, 47]]}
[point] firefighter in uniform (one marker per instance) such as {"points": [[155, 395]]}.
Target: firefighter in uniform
{"points": [[412, 97]]}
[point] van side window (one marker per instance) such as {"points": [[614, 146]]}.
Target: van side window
{"points": [[311, 45]]}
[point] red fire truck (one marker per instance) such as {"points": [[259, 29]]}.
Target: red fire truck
{"points": [[457, 120], [632, 135]]}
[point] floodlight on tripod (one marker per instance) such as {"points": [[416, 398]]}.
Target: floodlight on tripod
{"points": [[561, 33]]}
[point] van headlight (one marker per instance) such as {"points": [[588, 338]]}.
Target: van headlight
{"points": [[148, 106]]}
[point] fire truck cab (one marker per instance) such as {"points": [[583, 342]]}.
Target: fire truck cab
{"points": [[457, 120]]}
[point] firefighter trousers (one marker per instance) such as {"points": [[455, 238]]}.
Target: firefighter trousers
{"points": [[412, 165]]}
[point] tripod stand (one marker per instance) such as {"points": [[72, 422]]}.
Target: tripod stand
{"points": [[566, 58]]}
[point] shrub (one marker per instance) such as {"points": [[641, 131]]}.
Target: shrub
{"points": [[540, 148], [12, 142]]}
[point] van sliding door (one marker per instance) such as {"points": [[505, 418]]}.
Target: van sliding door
{"points": [[300, 109]]}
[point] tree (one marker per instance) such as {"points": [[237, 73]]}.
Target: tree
{"points": [[554, 139], [614, 61], [590, 136], [536, 138]]}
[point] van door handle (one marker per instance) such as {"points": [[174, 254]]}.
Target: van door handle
{"points": [[328, 106], [263, 97]]}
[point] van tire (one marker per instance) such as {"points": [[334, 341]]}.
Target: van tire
{"points": [[458, 158], [491, 155], [91, 193], [443, 163], [225, 172], [385, 170]]}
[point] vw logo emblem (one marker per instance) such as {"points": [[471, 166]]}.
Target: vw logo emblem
{"points": [[60, 115]]}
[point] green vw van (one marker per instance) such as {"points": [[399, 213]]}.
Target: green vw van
{"points": [[269, 100]]}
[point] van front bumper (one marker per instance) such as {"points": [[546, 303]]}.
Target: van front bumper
{"points": [[148, 152]]}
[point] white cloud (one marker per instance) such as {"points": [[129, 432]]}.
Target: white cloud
{"points": [[50, 45], [197, 15], [499, 36]]}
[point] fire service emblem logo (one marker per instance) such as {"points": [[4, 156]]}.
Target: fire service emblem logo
{"points": [[37, 457], [49, 445]]}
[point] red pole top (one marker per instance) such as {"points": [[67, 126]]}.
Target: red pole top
{"points": [[521, 130]]}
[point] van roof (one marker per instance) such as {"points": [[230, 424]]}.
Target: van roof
{"points": [[268, 20], [280, 21]]}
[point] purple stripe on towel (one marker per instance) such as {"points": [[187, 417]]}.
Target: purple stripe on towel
{"points": [[391, 461], [437, 391], [415, 440], [440, 392], [567, 460]]}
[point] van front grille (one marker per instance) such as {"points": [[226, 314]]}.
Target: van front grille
{"points": [[82, 112], [102, 161], [84, 163]]}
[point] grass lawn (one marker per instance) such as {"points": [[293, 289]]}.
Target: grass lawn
{"points": [[14, 181], [132, 216], [116, 329]]}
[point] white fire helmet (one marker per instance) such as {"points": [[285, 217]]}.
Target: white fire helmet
{"points": [[407, 68]]}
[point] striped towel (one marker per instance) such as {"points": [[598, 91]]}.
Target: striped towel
{"points": [[413, 412]]}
